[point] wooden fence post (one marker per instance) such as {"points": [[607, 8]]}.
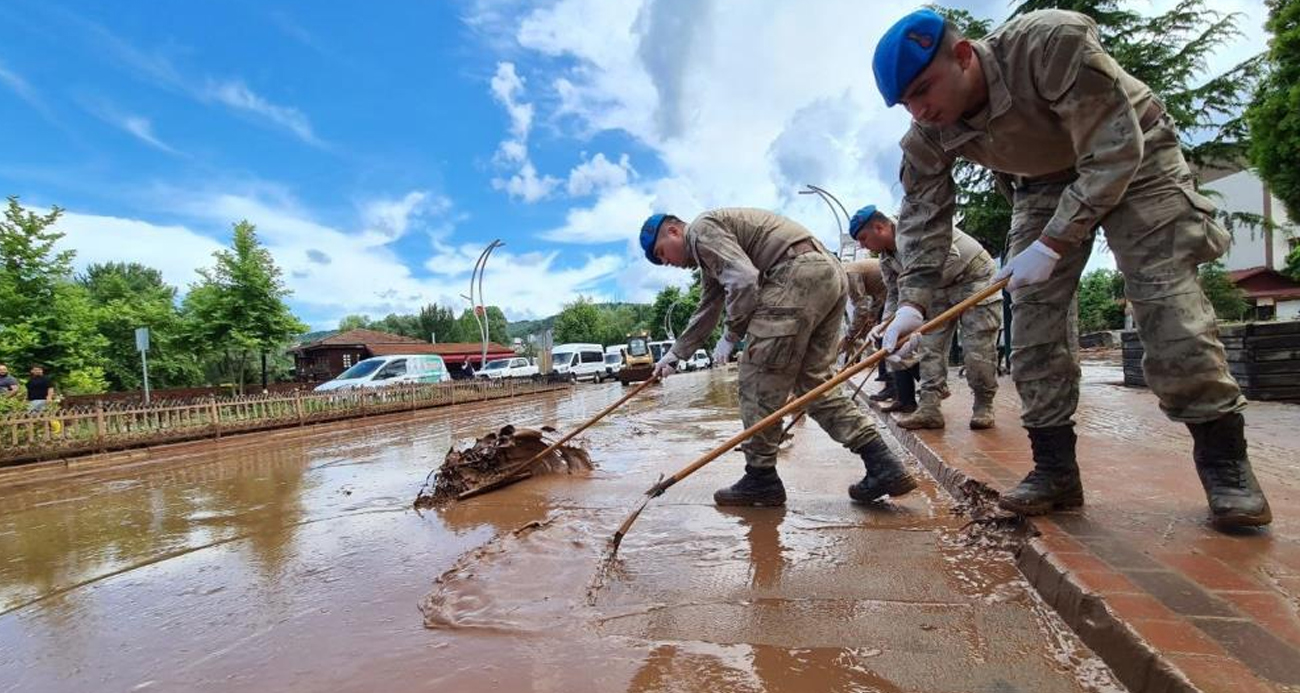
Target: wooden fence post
{"points": [[99, 424], [216, 416], [297, 406]]}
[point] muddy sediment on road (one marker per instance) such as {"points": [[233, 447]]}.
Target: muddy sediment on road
{"points": [[496, 460]]}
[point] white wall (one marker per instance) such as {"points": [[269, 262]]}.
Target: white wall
{"points": [[1244, 192], [1288, 310]]}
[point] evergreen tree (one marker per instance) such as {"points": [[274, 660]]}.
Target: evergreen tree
{"points": [[1274, 115]]}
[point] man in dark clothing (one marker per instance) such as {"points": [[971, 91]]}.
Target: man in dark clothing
{"points": [[40, 390], [8, 383]]}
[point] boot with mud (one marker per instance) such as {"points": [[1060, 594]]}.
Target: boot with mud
{"points": [[981, 417], [886, 393], [1054, 483], [886, 475], [1235, 498], [927, 415], [758, 488], [905, 397]]}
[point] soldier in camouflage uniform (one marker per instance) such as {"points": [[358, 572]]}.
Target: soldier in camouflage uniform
{"points": [[784, 294], [867, 295], [967, 268], [1082, 144]]}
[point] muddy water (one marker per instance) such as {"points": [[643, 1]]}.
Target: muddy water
{"points": [[293, 562]]}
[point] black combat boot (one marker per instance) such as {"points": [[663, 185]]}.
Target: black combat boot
{"points": [[1054, 483], [1235, 497], [905, 399], [886, 474], [760, 486], [886, 393]]}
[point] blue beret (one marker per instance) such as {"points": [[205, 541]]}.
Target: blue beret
{"points": [[904, 51], [859, 220], [649, 233]]}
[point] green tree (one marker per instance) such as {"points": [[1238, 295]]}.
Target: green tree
{"points": [[129, 295], [354, 322], [439, 322], [237, 310], [1169, 53], [580, 321], [45, 317], [1274, 114], [1292, 268], [1229, 301], [1100, 301]]}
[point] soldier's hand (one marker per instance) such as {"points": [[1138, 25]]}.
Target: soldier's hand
{"points": [[909, 346], [906, 319], [666, 366], [1033, 265]]}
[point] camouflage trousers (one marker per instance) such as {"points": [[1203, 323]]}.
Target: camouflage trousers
{"points": [[979, 335], [1159, 233], [790, 346]]}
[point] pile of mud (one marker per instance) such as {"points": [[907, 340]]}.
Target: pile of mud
{"points": [[496, 460]]}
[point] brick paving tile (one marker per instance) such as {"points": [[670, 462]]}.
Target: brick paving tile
{"points": [[1135, 606], [1210, 573], [1180, 594], [1107, 582], [1220, 675], [1256, 647], [1176, 636], [1269, 609]]}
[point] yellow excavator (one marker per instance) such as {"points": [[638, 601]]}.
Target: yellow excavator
{"points": [[638, 360]]}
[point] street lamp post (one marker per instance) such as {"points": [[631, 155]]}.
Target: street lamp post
{"points": [[828, 198], [668, 320], [479, 307]]}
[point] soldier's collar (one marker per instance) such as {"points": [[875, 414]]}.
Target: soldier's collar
{"points": [[961, 132]]}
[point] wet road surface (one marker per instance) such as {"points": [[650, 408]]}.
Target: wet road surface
{"points": [[291, 561]]}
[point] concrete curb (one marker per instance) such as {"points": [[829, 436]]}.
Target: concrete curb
{"points": [[1139, 666]]}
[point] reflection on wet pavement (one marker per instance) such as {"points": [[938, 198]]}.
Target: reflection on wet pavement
{"points": [[292, 561]]}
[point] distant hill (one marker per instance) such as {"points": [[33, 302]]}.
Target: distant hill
{"points": [[523, 328], [315, 336]]}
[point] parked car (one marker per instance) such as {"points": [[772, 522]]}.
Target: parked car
{"points": [[517, 367], [614, 360], [699, 361], [579, 361], [382, 371]]}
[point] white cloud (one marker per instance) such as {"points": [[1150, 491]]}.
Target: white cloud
{"points": [[615, 216], [527, 185], [19, 86], [598, 173], [176, 251], [507, 88], [143, 131], [237, 95], [338, 269]]}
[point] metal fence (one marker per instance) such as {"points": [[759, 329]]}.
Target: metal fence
{"points": [[102, 427]]}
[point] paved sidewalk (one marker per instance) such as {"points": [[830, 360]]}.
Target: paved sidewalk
{"points": [[1168, 602]]}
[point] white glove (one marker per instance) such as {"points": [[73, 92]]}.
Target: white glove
{"points": [[666, 366], [905, 321], [1033, 265], [722, 351], [911, 344], [879, 329]]}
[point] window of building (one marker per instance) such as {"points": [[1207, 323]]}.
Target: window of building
{"points": [[347, 360]]}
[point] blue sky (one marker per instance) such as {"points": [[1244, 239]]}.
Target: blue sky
{"points": [[379, 147]]}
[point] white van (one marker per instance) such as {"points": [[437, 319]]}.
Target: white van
{"points": [[614, 357], [579, 361], [382, 371]]}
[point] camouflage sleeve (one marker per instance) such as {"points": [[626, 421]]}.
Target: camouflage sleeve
{"points": [[704, 320], [890, 278], [722, 257], [1083, 84], [924, 231]]}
